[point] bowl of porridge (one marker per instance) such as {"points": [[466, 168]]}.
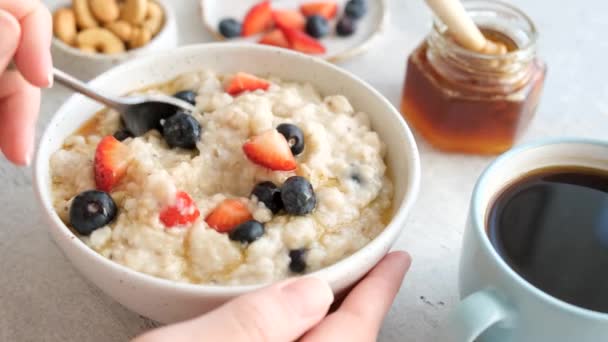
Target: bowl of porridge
{"points": [[289, 166]]}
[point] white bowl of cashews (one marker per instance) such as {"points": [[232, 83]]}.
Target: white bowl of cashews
{"points": [[92, 36]]}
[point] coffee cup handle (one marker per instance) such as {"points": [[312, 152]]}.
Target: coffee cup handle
{"points": [[474, 315]]}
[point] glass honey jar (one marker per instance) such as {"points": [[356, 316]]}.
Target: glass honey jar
{"points": [[464, 101]]}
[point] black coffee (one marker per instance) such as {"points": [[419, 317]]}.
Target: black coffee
{"points": [[551, 227]]}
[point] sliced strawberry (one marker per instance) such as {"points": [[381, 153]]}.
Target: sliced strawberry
{"points": [[289, 18], [245, 82], [182, 212], [258, 19], [327, 9], [227, 215], [302, 42], [270, 149], [275, 38], [111, 160]]}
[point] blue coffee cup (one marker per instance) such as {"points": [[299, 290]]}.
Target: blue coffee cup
{"points": [[497, 304]]}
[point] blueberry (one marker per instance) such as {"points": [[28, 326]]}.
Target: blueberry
{"points": [[186, 95], [297, 264], [182, 130], [122, 134], [317, 26], [91, 210], [298, 196], [270, 195], [345, 27], [355, 9], [247, 232], [294, 136], [230, 28]]}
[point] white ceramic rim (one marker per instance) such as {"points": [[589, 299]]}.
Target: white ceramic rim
{"points": [[339, 57], [169, 16], [478, 214], [399, 216]]}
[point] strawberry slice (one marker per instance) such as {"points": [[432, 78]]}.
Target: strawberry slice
{"points": [[289, 18], [275, 38], [327, 9], [245, 82], [227, 215], [110, 165], [302, 42], [258, 19], [271, 150], [182, 212]]}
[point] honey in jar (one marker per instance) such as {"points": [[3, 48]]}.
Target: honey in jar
{"points": [[464, 101]]}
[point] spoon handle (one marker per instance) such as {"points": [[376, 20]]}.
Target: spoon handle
{"points": [[462, 28], [80, 87], [460, 25]]}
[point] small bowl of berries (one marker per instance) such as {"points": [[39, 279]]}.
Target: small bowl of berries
{"points": [[335, 30]]}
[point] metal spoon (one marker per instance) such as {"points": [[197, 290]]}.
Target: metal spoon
{"points": [[139, 113]]}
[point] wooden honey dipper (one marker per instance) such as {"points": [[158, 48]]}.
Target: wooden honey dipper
{"points": [[462, 28]]}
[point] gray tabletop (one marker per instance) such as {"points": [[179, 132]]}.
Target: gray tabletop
{"points": [[42, 298]]}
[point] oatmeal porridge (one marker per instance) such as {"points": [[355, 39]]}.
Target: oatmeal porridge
{"points": [[266, 180]]}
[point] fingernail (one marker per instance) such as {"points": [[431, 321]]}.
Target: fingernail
{"points": [[403, 254], [308, 296], [29, 155], [51, 79], [404, 257]]}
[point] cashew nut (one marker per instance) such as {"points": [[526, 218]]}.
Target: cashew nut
{"points": [[154, 18], [84, 17], [105, 10], [64, 25], [101, 40], [130, 23], [87, 49], [122, 29], [139, 37], [134, 11]]}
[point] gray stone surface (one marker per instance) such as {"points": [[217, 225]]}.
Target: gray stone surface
{"points": [[42, 298]]}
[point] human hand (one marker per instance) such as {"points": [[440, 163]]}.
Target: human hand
{"points": [[25, 38], [295, 309]]}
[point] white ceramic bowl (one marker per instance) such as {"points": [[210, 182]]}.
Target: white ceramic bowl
{"points": [[86, 65], [169, 301]]}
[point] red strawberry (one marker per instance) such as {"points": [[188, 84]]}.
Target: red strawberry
{"points": [[327, 9], [289, 18], [111, 160], [227, 215], [302, 42], [270, 149], [276, 38], [245, 82], [182, 212], [258, 19]]}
